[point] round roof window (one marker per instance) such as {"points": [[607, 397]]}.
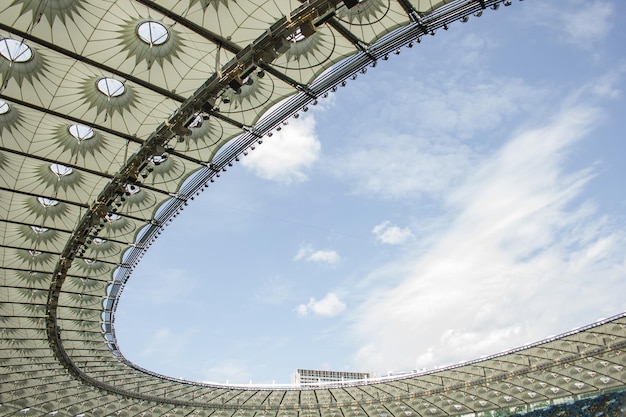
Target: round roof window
{"points": [[132, 189], [98, 241], [81, 132], [60, 170], [4, 107], [110, 87], [152, 33], [111, 217], [157, 159], [14, 50], [47, 202], [39, 230]]}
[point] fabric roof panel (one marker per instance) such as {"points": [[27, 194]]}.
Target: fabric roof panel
{"points": [[370, 19], [309, 57], [51, 138], [427, 6], [238, 22]]}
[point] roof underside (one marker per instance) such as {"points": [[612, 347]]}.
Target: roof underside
{"points": [[115, 113]]}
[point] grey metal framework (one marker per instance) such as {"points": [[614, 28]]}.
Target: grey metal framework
{"points": [[114, 115]]}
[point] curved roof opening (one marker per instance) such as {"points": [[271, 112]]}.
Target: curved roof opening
{"points": [[461, 202]]}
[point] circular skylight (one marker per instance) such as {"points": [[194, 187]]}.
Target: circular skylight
{"points": [[152, 33], [60, 170], [39, 230], [14, 50], [47, 202], [81, 132], [98, 241], [34, 252], [157, 159], [132, 189], [4, 107], [110, 87], [111, 217]]}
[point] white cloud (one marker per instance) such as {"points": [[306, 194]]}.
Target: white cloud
{"points": [[287, 155], [514, 260], [274, 290], [170, 286], [390, 234], [423, 149], [178, 340], [329, 306], [587, 22], [581, 23], [406, 168], [308, 254], [230, 372]]}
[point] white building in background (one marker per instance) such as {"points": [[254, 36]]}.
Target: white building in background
{"points": [[311, 376]]}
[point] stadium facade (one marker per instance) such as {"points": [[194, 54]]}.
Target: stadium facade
{"points": [[112, 122]]}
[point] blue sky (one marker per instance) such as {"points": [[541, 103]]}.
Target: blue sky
{"points": [[463, 198]]}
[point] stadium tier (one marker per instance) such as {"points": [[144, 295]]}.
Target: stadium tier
{"points": [[605, 405], [111, 123]]}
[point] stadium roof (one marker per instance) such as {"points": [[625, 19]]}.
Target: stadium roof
{"points": [[114, 115]]}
